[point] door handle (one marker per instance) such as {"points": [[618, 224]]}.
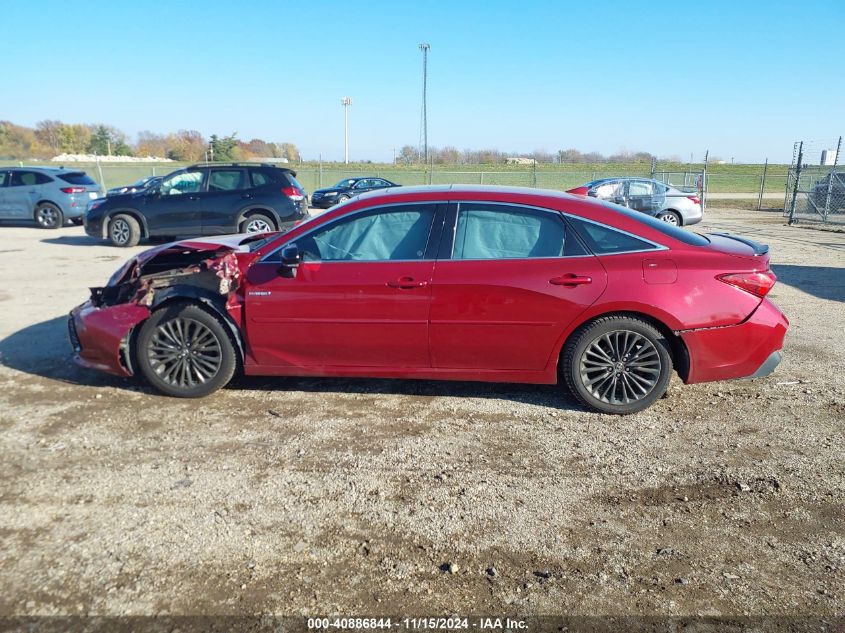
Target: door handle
{"points": [[193, 197], [406, 283], [570, 279], [246, 196]]}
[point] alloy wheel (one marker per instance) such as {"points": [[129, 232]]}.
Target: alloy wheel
{"points": [[48, 216], [620, 367], [120, 231], [670, 218], [184, 352], [258, 226]]}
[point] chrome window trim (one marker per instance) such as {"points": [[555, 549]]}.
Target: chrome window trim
{"points": [[346, 216]]}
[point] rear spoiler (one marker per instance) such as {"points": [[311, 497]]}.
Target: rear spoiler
{"points": [[759, 249]]}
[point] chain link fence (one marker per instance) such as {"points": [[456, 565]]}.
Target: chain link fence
{"points": [[740, 181], [815, 188]]}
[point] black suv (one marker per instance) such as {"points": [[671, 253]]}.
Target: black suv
{"points": [[207, 199]]}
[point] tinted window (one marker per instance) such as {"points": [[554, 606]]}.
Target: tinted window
{"points": [[4, 176], [182, 182], [603, 240], [259, 178], [27, 179], [488, 231], [224, 180], [676, 232], [394, 234], [77, 178]]}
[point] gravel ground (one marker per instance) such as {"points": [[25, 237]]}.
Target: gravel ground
{"points": [[305, 496]]}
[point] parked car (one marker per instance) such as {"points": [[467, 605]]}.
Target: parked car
{"points": [[653, 197], [346, 189], [837, 192], [138, 185], [202, 199], [445, 282], [48, 195]]}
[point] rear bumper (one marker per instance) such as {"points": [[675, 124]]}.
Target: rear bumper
{"points": [[100, 336], [751, 349]]}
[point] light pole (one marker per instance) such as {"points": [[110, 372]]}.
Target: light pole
{"points": [[424, 47], [346, 102]]}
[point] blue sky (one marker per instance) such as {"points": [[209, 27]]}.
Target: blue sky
{"points": [[743, 79]]}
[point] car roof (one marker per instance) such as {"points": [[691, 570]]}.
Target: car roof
{"points": [[52, 170], [239, 164], [490, 192]]}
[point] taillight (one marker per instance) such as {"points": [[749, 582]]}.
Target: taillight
{"points": [[293, 193], [580, 191], [695, 199], [73, 189], [757, 284]]}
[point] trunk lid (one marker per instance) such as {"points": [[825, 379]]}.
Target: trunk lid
{"points": [[739, 246]]}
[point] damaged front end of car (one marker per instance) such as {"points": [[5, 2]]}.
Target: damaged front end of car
{"points": [[101, 330]]}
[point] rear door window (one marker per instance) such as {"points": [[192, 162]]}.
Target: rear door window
{"points": [[4, 178], [77, 178], [259, 178], [492, 231], [225, 180]]}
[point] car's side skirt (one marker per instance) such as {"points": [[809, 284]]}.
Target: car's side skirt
{"points": [[542, 377]]}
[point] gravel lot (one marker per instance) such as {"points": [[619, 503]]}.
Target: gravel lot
{"points": [[305, 496]]}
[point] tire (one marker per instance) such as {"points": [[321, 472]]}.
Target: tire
{"points": [[670, 217], [124, 231], [76, 221], [603, 381], [257, 223], [48, 216], [184, 351], [342, 198]]}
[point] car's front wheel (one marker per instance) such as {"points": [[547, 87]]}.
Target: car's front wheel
{"points": [[670, 217], [617, 364], [342, 198], [49, 216], [184, 351], [124, 230]]}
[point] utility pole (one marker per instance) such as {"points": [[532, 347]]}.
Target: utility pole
{"points": [[346, 102], [424, 47]]}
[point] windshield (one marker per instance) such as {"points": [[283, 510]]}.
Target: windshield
{"points": [[346, 182], [142, 182]]}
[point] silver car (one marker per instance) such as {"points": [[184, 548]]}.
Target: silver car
{"points": [[49, 195], [658, 199]]}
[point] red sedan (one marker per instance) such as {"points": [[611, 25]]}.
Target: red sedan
{"points": [[453, 283]]}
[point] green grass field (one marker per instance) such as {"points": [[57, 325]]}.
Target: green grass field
{"points": [[720, 178]]}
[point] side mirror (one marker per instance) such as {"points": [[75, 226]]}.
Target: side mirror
{"points": [[291, 258]]}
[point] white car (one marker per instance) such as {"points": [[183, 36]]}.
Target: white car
{"points": [[653, 197]]}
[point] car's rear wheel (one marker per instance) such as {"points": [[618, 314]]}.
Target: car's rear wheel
{"points": [[257, 223], [184, 351], [617, 364], [124, 230], [49, 216], [670, 217]]}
